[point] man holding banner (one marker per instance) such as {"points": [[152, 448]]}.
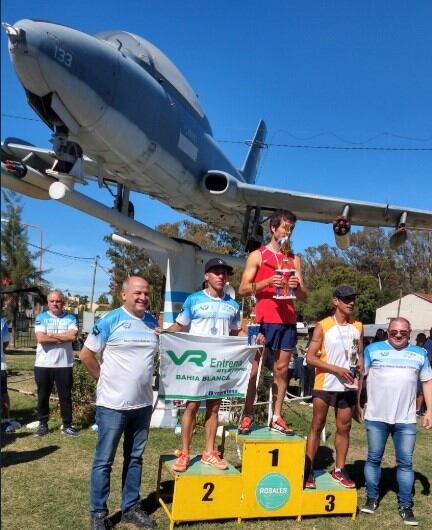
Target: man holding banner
{"points": [[212, 313]]}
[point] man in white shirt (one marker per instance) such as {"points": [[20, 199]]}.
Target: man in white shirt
{"points": [[393, 367], [55, 331], [127, 342], [214, 313]]}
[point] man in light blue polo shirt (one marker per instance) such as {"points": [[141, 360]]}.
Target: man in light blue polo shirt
{"points": [[55, 331], [393, 367], [126, 339]]}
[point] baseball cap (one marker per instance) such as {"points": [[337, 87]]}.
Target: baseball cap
{"points": [[344, 291], [217, 262]]}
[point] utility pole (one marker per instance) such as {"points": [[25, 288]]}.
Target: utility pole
{"points": [[93, 281]]}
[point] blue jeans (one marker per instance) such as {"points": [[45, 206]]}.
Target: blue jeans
{"points": [[404, 437], [134, 425]]}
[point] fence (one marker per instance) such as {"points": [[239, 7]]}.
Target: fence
{"points": [[24, 332]]}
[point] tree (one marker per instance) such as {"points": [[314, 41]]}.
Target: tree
{"points": [[17, 269], [128, 260], [103, 299]]}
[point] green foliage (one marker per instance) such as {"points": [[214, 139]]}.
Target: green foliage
{"points": [[83, 395], [128, 261], [17, 270]]}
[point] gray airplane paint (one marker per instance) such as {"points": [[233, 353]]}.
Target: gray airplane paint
{"points": [[147, 130]]}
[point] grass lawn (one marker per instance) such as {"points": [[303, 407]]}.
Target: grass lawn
{"points": [[45, 481]]}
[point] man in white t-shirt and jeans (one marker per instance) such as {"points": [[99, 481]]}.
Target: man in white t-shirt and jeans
{"points": [[55, 331], [127, 340], [393, 367]]}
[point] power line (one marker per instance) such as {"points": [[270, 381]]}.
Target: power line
{"points": [[60, 253], [303, 146], [330, 147], [20, 117]]}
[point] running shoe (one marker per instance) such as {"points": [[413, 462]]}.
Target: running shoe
{"points": [[341, 476], [213, 459], [182, 462], [310, 483], [279, 425], [245, 426]]}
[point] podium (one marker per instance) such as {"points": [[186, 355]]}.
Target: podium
{"points": [[270, 484], [201, 492]]}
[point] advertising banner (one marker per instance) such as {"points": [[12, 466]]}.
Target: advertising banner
{"points": [[200, 367]]}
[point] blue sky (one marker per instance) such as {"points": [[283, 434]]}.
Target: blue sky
{"points": [[320, 73]]}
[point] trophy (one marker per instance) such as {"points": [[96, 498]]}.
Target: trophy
{"points": [[352, 361], [253, 329], [285, 292]]}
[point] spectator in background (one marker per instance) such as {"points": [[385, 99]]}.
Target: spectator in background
{"points": [[55, 331], [428, 346], [5, 403], [420, 400], [308, 372], [381, 334]]}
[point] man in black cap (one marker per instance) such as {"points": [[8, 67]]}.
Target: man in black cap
{"points": [[334, 340], [214, 313]]}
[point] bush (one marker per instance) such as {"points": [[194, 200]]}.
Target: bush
{"points": [[83, 395]]}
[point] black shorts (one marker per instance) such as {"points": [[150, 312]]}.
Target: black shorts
{"points": [[3, 384], [338, 400]]}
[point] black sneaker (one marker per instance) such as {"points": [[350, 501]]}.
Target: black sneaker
{"points": [[138, 517], [408, 516], [42, 430], [369, 506], [100, 522], [69, 431]]}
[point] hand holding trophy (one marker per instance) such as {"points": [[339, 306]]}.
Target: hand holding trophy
{"points": [[285, 292], [353, 359]]}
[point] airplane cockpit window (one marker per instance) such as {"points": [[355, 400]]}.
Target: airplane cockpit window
{"points": [[146, 52]]}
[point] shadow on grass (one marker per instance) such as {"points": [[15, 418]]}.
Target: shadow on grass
{"points": [[24, 415], [150, 504], [13, 458], [8, 438], [388, 480]]}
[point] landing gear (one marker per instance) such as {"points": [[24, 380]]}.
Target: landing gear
{"points": [[69, 155], [252, 233], [122, 203]]}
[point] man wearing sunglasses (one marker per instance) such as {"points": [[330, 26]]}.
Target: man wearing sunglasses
{"points": [[329, 352], [393, 367]]}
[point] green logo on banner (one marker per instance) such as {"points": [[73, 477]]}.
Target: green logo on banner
{"points": [[193, 356], [273, 491]]}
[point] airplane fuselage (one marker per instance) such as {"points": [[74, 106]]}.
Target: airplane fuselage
{"points": [[122, 110]]}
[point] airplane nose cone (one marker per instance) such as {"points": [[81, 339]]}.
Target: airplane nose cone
{"points": [[24, 42]]}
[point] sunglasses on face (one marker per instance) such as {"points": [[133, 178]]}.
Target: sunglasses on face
{"points": [[348, 299], [396, 332]]}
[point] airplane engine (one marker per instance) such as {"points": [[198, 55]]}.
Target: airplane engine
{"points": [[222, 185], [342, 229], [399, 236]]}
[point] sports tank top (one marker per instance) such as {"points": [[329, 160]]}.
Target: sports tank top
{"points": [[270, 310]]}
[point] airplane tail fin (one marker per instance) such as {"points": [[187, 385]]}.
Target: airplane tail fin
{"points": [[253, 158]]}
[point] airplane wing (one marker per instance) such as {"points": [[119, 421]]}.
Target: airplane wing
{"points": [[321, 208]]}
